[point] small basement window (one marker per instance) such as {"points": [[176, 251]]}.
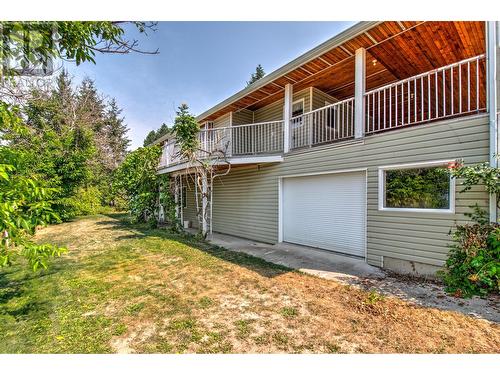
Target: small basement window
{"points": [[426, 187]]}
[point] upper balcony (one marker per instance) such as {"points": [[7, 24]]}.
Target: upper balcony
{"points": [[358, 88], [451, 91]]}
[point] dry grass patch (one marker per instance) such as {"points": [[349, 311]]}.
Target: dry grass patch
{"points": [[125, 288]]}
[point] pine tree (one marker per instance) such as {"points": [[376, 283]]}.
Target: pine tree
{"points": [[116, 131], [259, 73], [90, 106], [153, 135]]}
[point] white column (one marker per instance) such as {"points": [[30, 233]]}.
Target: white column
{"points": [[181, 200], [491, 61], [204, 203], [176, 196], [161, 211], [229, 134], [287, 115], [359, 92]]}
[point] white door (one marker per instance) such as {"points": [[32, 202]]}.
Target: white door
{"points": [[326, 211]]}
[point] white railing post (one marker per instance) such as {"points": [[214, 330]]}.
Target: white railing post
{"points": [[359, 100], [287, 115], [491, 71], [230, 135]]}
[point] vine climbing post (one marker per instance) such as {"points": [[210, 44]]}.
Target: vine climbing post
{"points": [[176, 197], [204, 203], [206, 156]]}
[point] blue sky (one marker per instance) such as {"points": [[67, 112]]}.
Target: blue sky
{"points": [[199, 63]]}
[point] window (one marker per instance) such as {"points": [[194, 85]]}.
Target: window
{"points": [[426, 187], [184, 197], [298, 108]]}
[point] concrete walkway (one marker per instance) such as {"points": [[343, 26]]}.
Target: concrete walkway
{"points": [[353, 271]]}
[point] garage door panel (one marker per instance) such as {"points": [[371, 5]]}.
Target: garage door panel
{"points": [[326, 211]]}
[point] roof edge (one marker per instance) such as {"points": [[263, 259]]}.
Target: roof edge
{"points": [[329, 44]]}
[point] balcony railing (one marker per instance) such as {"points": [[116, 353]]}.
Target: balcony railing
{"points": [[331, 123], [449, 91], [258, 138], [454, 90], [233, 141]]}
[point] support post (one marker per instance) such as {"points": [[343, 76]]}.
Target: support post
{"points": [[359, 92], [176, 197], [492, 105], [287, 115], [204, 203], [161, 211], [230, 136]]}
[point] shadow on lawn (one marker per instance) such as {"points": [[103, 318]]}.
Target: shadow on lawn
{"points": [[262, 267]]}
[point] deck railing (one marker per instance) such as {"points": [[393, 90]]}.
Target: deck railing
{"points": [[170, 154], [237, 140], [258, 138], [452, 90], [331, 123]]}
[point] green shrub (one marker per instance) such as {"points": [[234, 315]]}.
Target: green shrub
{"points": [[136, 181], [85, 201], [473, 265]]}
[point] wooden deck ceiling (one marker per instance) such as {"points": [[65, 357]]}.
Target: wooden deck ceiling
{"points": [[395, 50]]}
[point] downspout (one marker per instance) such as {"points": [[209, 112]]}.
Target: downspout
{"points": [[492, 105]]}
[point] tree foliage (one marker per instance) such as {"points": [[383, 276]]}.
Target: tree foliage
{"points": [[478, 174], [207, 163], [69, 40], [75, 140], [154, 135], [473, 264], [137, 181], [186, 130], [254, 77], [52, 144], [25, 203]]}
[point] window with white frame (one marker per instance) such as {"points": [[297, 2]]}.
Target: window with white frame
{"points": [[297, 110], [426, 187]]}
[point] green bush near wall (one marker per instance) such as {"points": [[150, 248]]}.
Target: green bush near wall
{"points": [[473, 265]]}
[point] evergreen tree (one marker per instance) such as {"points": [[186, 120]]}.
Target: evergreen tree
{"points": [[116, 131], [153, 135], [90, 106], [259, 73]]}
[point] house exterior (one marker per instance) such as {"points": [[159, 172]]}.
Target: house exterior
{"points": [[346, 148]]}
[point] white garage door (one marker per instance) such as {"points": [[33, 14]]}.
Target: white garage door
{"points": [[326, 211]]}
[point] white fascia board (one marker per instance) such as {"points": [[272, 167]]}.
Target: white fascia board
{"points": [[232, 161]]}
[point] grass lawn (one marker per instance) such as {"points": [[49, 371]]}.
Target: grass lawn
{"points": [[125, 288]]}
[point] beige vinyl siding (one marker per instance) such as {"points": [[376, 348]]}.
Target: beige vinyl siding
{"points": [[243, 117], [189, 213], [246, 201], [223, 121], [274, 111], [319, 99]]}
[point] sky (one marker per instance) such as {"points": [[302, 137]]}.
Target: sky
{"points": [[199, 63]]}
